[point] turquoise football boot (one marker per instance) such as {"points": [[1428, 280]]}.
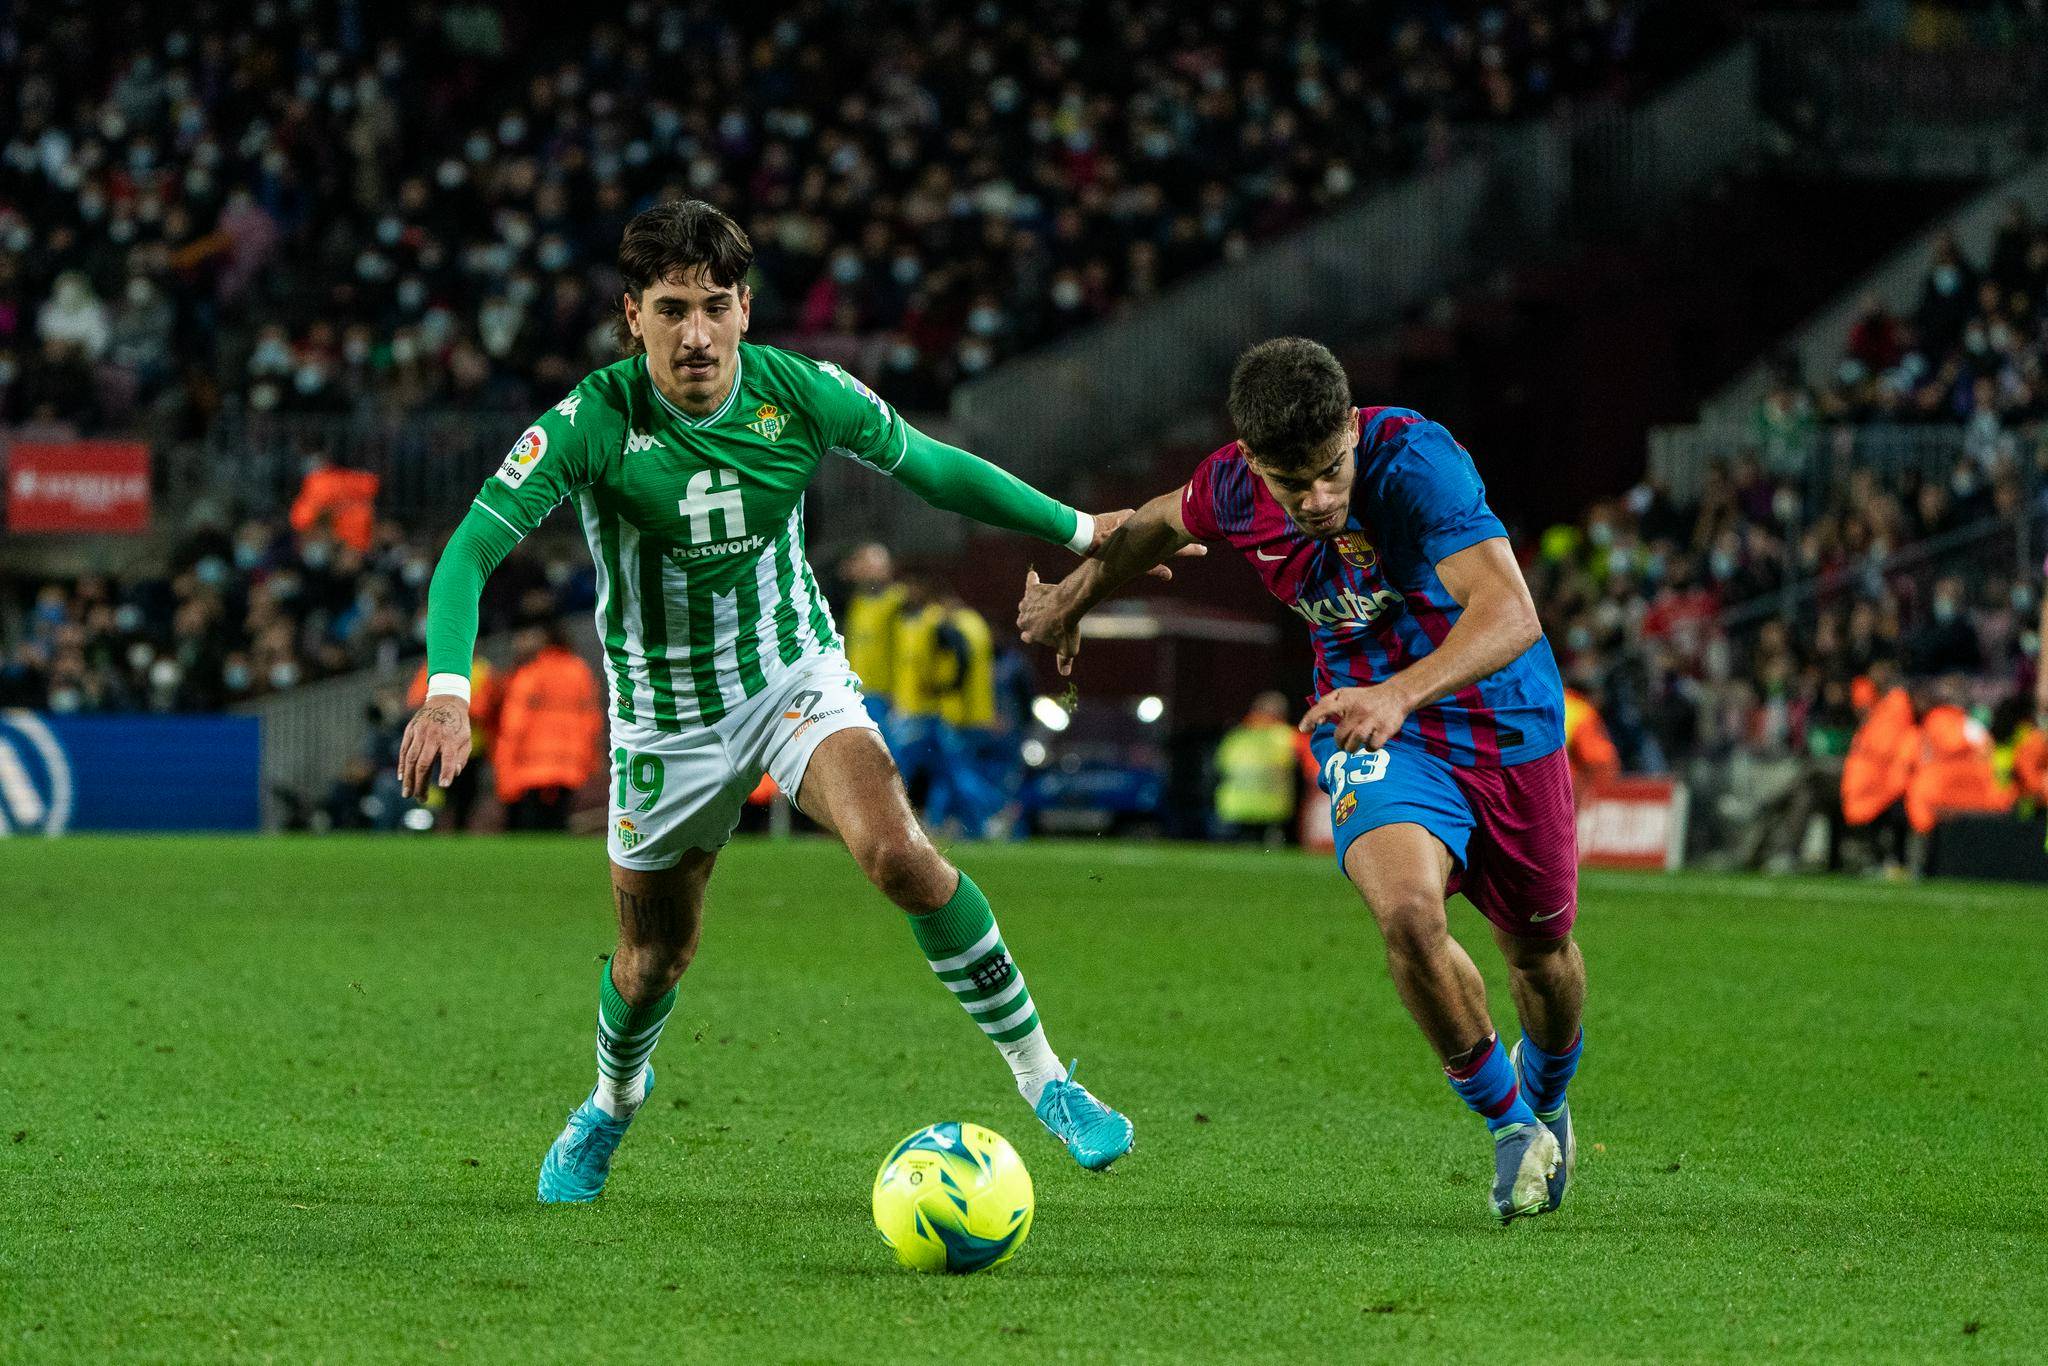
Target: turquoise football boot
{"points": [[1525, 1156], [574, 1171], [1095, 1134], [1559, 1122]]}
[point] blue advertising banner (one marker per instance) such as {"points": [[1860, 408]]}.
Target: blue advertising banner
{"points": [[60, 773]]}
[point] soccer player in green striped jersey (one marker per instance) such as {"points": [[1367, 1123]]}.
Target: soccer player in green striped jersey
{"points": [[686, 464]]}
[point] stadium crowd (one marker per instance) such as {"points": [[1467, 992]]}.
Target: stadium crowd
{"points": [[244, 610], [1971, 351], [1637, 601], [278, 206]]}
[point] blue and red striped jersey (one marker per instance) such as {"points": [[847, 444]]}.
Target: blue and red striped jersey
{"points": [[1371, 595]]}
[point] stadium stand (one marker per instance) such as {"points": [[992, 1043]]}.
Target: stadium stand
{"points": [[273, 208]]}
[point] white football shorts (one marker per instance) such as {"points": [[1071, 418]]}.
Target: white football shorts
{"points": [[676, 791]]}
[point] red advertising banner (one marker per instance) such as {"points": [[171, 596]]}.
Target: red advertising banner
{"points": [[1632, 823], [78, 486]]}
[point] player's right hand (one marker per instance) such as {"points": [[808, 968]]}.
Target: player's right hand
{"points": [[438, 732], [1042, 619]]}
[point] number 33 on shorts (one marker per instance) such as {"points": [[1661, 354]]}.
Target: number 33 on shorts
{"points": [[1344, 771]]}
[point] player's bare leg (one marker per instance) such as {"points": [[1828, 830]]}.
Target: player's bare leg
{"points": [[659, 913], [1548, 979], [851, 787], [1401, 871]]}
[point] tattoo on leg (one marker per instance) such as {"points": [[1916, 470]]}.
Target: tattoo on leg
{"points": [[649, 919]]}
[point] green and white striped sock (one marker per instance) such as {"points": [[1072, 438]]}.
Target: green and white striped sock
{"points": [[961, 942], [626, 1035]]}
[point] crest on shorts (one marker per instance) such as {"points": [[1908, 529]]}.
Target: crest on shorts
{"points": [[1346, 805], [629, 833], [1357, 550], [768, 421]]}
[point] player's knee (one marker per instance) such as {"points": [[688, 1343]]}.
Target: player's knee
{"points": [[901, 865], [1411, 921], [645, 971]]}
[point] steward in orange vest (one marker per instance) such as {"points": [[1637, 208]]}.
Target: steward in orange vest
{"points": [[1881, 758], [550, 725], [1956, 771]]}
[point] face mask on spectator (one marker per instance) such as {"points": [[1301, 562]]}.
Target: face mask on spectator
{"points": [[975, 357], [984, 321], [417, 572], [1944, 610], [1066, 294], [236, 677], [846, 268], [2022, 598], [356, 349], [8, 370], [284, 674], [165, 674], [906, 270], [65, 699], [127, 617], [1975, 340], [309, 379], [1947, 279], [140, 656], [412, 294], [211, 571], [553, 253], [248, 556], [1721, 564], [403, 350], [316, 554], [903, 356]]}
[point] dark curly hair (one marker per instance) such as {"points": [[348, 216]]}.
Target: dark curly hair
{"points": [[1288, 397], [675, 237]]}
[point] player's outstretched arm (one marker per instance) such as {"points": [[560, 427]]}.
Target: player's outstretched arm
{"points": [[960, 481], [1497, 624], [1050, 613], [438, 734]]}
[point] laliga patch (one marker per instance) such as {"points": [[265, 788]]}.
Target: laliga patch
{"points": [[524, 455]]}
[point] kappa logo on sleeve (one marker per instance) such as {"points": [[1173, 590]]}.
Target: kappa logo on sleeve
{"points": [[524, 455]]}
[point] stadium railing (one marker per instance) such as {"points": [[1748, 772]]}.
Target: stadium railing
{"points": [[1115, 386], [1680, 456]]}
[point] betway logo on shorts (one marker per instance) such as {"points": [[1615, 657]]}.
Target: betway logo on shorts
{"points": [[1348, 608]]}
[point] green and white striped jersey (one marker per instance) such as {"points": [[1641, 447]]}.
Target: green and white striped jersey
{"points": [[696, 523]]}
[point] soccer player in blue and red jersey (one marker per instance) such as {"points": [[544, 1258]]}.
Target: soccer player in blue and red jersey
{"points": [[1438, 716]]}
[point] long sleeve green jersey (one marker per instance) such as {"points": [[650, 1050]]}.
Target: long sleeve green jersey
{"points": [[704, 595]]}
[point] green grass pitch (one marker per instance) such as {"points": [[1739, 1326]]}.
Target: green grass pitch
{"points": [[286, 1099]]}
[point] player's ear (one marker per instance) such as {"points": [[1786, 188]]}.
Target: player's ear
{"points": [[632, 308]]}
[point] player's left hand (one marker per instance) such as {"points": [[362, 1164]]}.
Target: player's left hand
{"points": [[1366, 718], [1042, 619], [1106, 524]]}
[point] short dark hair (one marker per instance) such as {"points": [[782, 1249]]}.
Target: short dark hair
{"points": [[675, 237], [1288, 397], [680, 235]]}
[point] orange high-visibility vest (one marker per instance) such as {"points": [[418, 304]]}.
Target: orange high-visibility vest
{"points": [[346, 498], [1956, 771], [1588, 746], [1881, 759], [549, 726]]}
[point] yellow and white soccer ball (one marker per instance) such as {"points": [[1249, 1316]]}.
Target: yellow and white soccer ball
{"points": [[953, 1197]]}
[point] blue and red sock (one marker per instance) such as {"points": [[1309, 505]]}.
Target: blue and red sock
{"points": [[1547, 1074], [1486, 1082]]}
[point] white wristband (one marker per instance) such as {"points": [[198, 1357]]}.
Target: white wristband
{"points": [[450, 685], [1084, 533]]}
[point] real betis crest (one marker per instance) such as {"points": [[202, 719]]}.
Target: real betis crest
{"points": [[768, 421]]}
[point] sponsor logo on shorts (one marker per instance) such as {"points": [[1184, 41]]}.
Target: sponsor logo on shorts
{"points": [[1539, 919], [629, 833], [524, 455], [1346, 806]]}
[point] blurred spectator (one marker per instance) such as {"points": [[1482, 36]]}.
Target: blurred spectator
{"points": [[337, 501], [1258, 773], [550, 731], [1594, 759]]}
